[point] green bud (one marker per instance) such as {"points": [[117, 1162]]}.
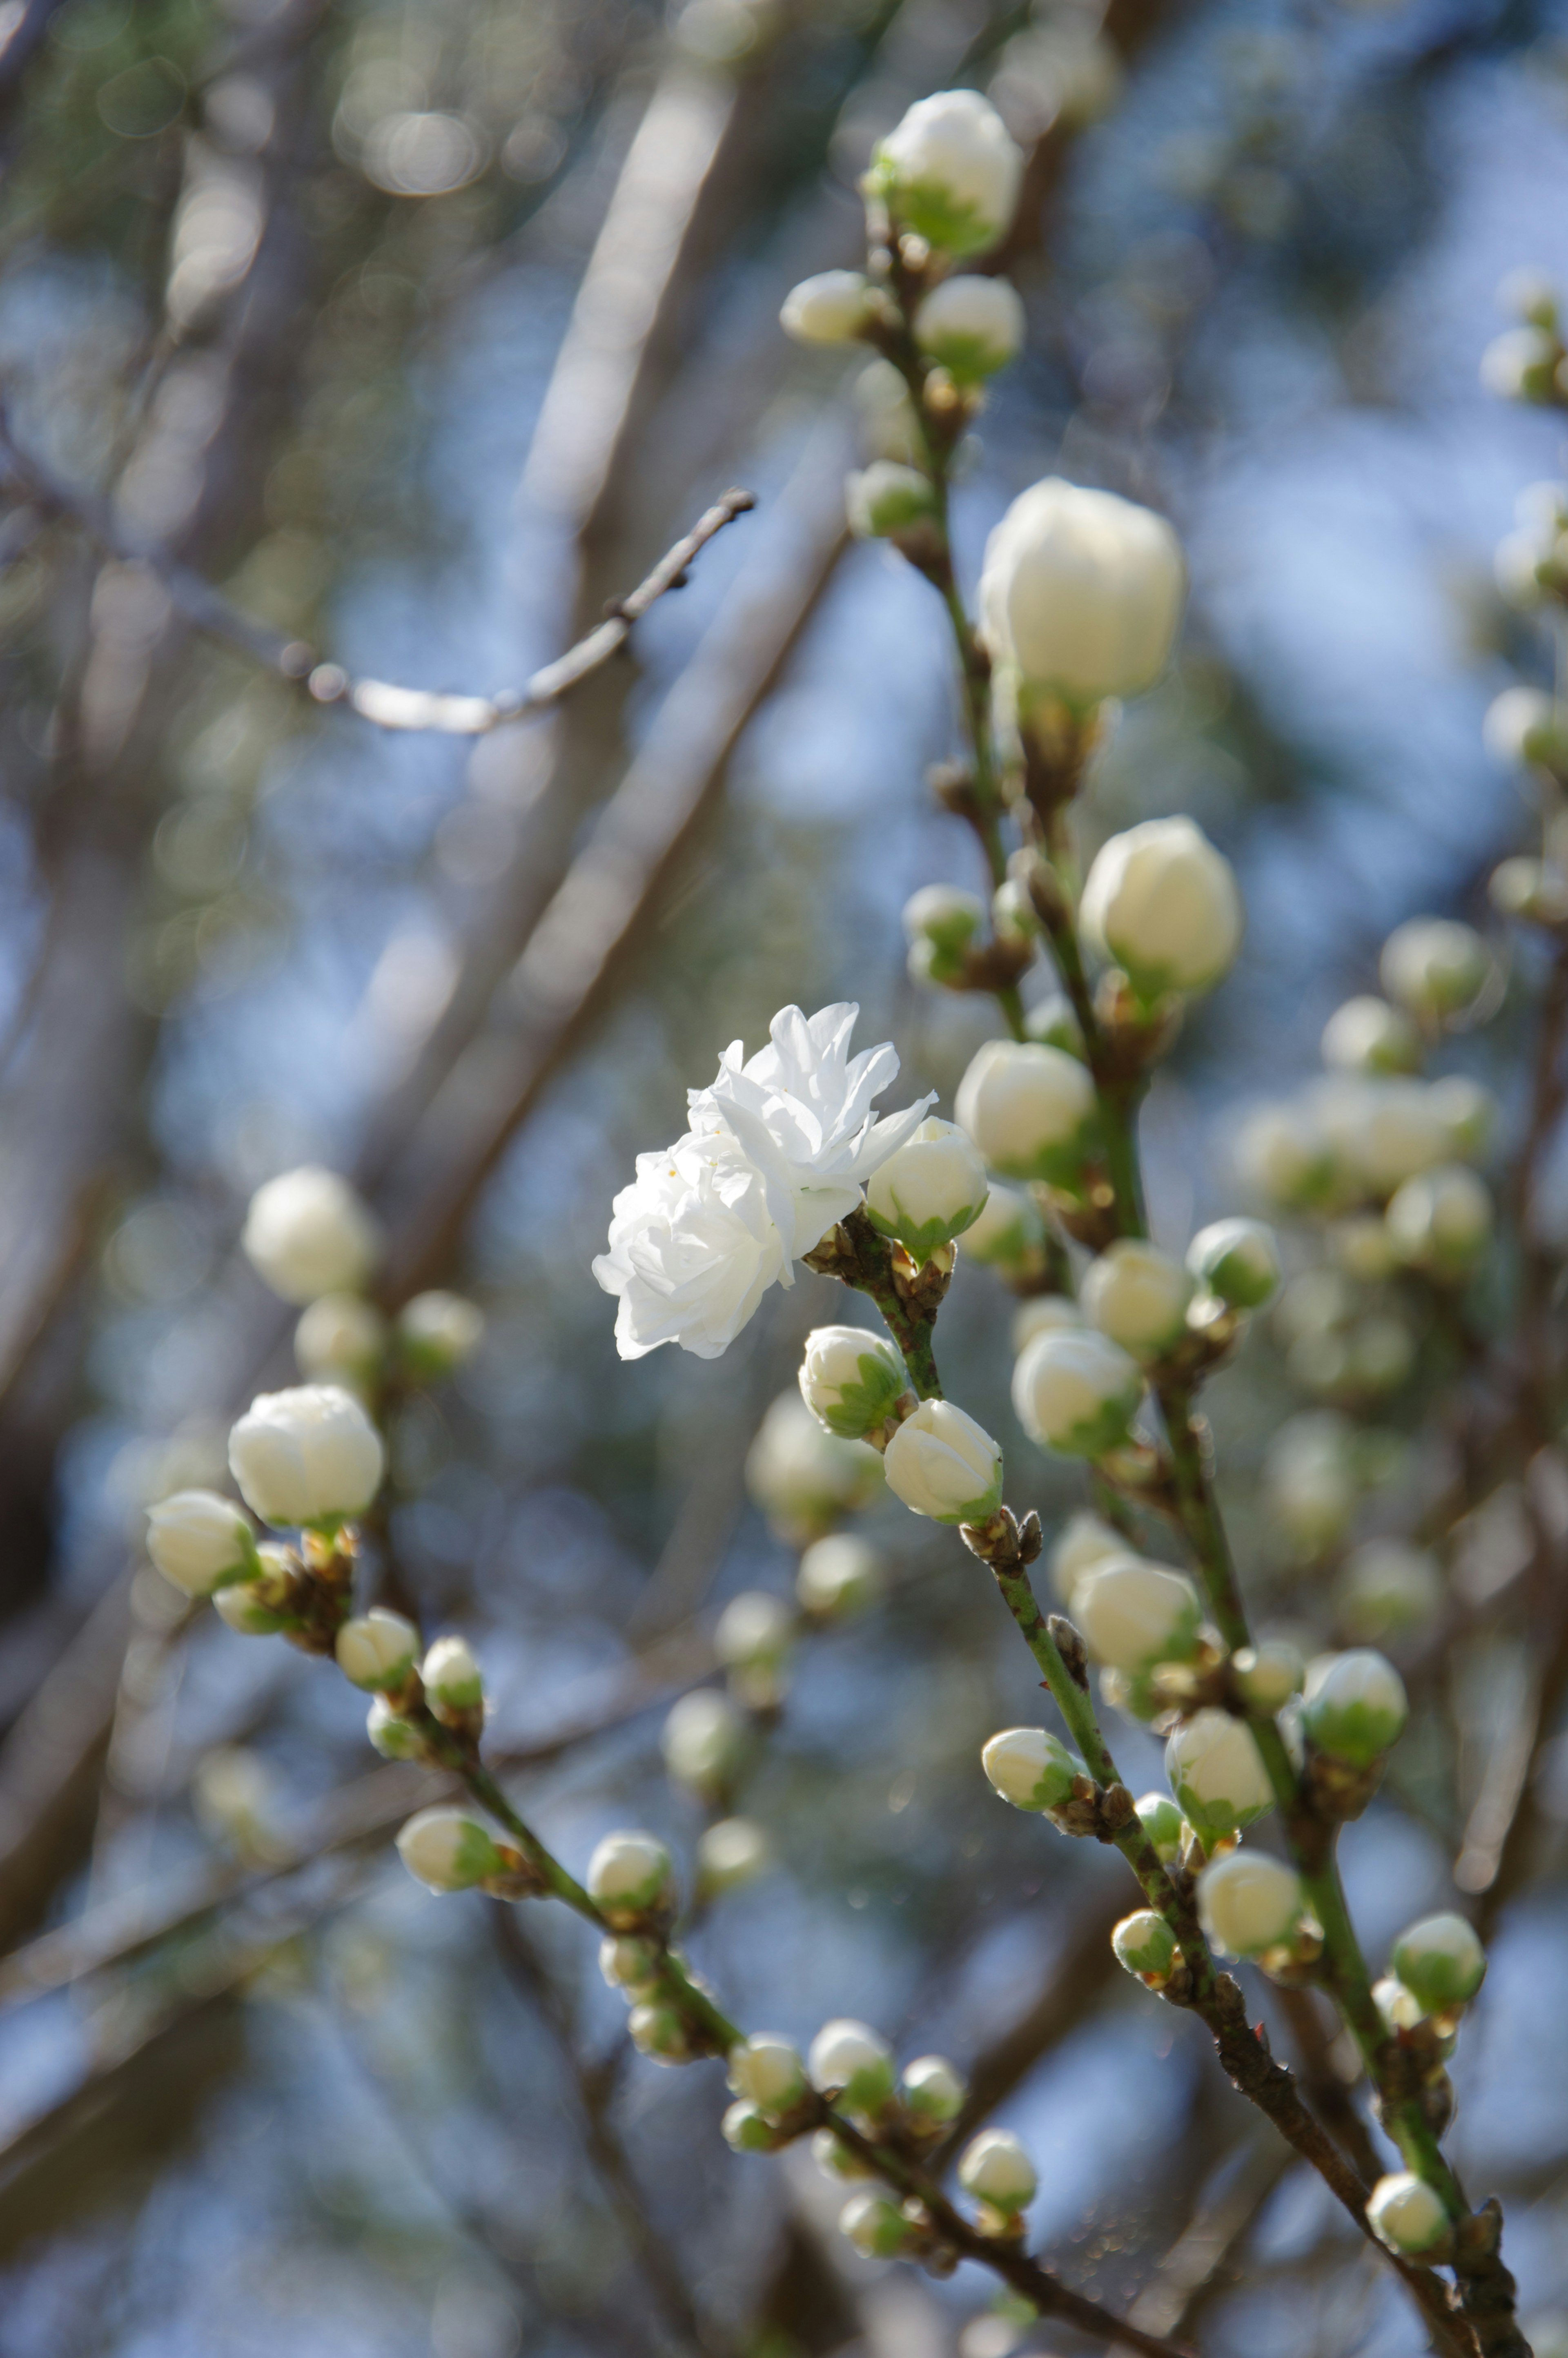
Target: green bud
{"points": [[1145, 1945]]}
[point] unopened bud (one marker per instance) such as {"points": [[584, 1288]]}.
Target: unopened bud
{"points": [[703, 1741], [1399, 2008], [1521, 365], [395, 1737], [950, 172], [378, 1649], [1386, 1589], [1042, 1311], [1435, 967], [941, 922], [732, 1851], [1238, 1260], [1267, 1676], [886, 500], [660, 2033], [1407, 2215], [932, 2089], [850, 1379], [971, 326], [1145, 1945], [1532, 889], [451, 1678], [754, 1632], [1441, 1220], [437, 1333], [944, 1465], [836, 2159], [928, 1192], [803, 1476], [1031, 1767], [628, 1962], [341, 1338], [629, 1874], [1164, 1823], [1030, 1110], [1134, 1614], [1217, 1775], [1138, 1295], [1005, 1231], [767, 2070], [875, 2226], [839, 1575], [1076, 1392], [1249, 1903], [1083, 1541], [1368, 1035], [848, 2062], [202, 1541], [995, 2169], [1356, 1706], [1161, 903], [1053, 1022], [449, 1850], [1440, 1961], [746, 2130], [307, 1233], [830, 309]]}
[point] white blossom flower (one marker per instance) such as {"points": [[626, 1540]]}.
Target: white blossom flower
{"points": [[693, 1248]]}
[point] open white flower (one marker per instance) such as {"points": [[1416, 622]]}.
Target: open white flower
{"points": [[693, 1248]]}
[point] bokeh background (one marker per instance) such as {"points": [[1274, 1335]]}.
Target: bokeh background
{"points": [[421, 332]]}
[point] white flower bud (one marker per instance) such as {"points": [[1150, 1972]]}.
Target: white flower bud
{"points": [[437, 1332], [1076, 1391], [929, 1190], [755, 1632], [850, 1379], [1083, 1541], [1521, 365], [1267, 1676], [1368, 1035], [950, 172], [200, 1542], [745, 2130], [1435, 967], [628, 1962], [1081, 594], [995, 2169], [1216, 1774], [1532, 889], [890, 426], [1162, 903], [1356, 1706], [1015, 917], [1404, 2213], [804, 1478], [1386, 1589], [1440, 1961], [886, 499], [850, 2061], [1249, 1902], [1005, 1230], [378, 1649], [449, 1850], [1053, 1022], [1524, 724], [395, 1737], [944, 1465], [1044, 1313], [1238, 1260], [730, 1853], [875, 2225], [839, 1575], [1145, 1945], [1441, 1220], [629, 1874], [309, 1456], [703, 1741], [1310, 1480], [1133, 1614], [307, 1233], [339, 1339], [1031, 1769], [829, 308], [932, 2089], [1164, 1823], [942, 921], [1138, 1295], [834, 2159], [452, 1677], [972, 326], [767, 2070], [659, 2033], [1029, 1109]]}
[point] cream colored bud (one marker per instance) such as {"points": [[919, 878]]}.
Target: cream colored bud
{"points": [[950, 172], [439, 1331], [767, 2068], [1404, 2213], [971, 326], [1004, 1231], [732, 1851], [201, 1541], [1081, 594], [830, 309], [1388, 1589], [378, 1649], [629, 1874], [839, 1575], [1133, 1614], [1162, 903], [1435, 967], [1138, 1295], [1440, 1961], [755, 1629], [803, 1476], [932, 2089], [310, 1455], [875, 2225], [1083, 1541], [850, 1379], [447, 1850], [929, 1191], [1031, 1767], [944, 1465], [1042, 1312], [1030, 1110], [1356, 1706], [1267, 1676], [1216, 1774], [1076, 1391], [1238, 1259], [1249, 1902], [704, 1741], [339, 1339], [995, 2169], [307, 1233], [850, 2061], [452, 1677], [1441, 1220], [1368, 1035]]}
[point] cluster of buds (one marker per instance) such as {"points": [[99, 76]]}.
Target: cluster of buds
{"points": [[1528, 362], [631, 1880]]}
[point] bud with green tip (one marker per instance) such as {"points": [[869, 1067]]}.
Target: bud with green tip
{"points": [[931, 2091], [1238, 1260], [1013, 914], [1526, 724], [950, 172], [704, 1741], [730, 1853], [1076, 1392], [848, 2063], [437, 1332], [659, 2032], [449, 1850], [1267, 1676], [261, 1606], [1164, 1823], [929, 1190], [395, 1737], [1404, 2213], [887, 502], [1441, 1220], [1435, 967], [850, 1379], [1145, 1945], [839, 1575], [944, 1465], [378, 1649], [875, 2225], [1217, 1775], [1031, 1767], [202, 1541], [1031, 1110], [628, 1962], [766, 2069], [629, 1875], [1249, 1903], [995, 2169], [1368, 1035], [940, 922], [1161, 903], [1356, 1706], [1138, 1295], [746, 2130], [829, 308], [1084, 1540], [1081, 597], [971, 325], [1440, 1961], [1134, 1615], [1006, 1232], [453, 1683]]}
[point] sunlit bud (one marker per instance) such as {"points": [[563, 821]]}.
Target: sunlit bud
{"points": [[940, 922], [929, 1190], [1005, 1230], [395, 1737], [972, 326], [1249, 1902], [1053, 1022], [768, 2070], [1399, 2008], [1404, 2213], [659, 2032], [437, 1332], [1030, 1767], [1076, 1391], [1164, 1823], [1238, 1260], [1356, 1706], [259, 1607], [1267, 1676], [848, 2062], [886, 499], [1029, 1109], [628, 1962], [995, 2169], [200, 1542], [629, 1874], [703, 1741], [452, 1677], [1283, 1156], [950, 172], [1083, 1541], [875, 2225], [744, 2129], [1216, 1774], [1081, 595], [1526, 724], [1368, 1035], [1440, 1961], [803, 1476], [836, 2159], [731, 1853], [310, 1455], [1164, 904], [850, 1379], [447, 1850], [1435, 967], [1145, 1945], [1310, 1480], [307, 1233], [1520, 365], [827, 310], [339, 1339], [839, 1575], [755, 1630], [1442, 1219], [944, 1465], [378, 1649], [1041, 1312], [1533, 889], [1133, 1613], [1386, 1589], [1138, 1295], [932, 2089], [1360, 1247]]}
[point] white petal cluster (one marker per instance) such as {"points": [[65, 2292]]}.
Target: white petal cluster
{"points": [[306, 1233], [780, 1148], [1081, 594], [306, 1455]]}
